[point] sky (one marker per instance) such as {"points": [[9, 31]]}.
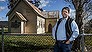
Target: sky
{"points": [[47, 5]]}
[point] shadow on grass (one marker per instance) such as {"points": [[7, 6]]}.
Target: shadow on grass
{"points": [[26, 47]]}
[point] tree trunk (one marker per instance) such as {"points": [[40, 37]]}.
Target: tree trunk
{"points": [[79, 10], [79, 20]]}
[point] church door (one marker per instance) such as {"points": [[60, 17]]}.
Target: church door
{"points": [[50, 28]]}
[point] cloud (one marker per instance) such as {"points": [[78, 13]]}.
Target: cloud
{"points": [[72, 10], [44, 3], [2, 0], [1, 8]]}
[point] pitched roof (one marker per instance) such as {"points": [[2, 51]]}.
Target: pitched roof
{"points": [[29, 4], [21, 16], [35, 8]]}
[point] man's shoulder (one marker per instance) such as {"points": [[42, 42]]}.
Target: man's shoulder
{"points": [[71, 19]]}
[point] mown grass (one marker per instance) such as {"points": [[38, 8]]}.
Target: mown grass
{"points": [[88, 40], [28, 43], [32, 43]]}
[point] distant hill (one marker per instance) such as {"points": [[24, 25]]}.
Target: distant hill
{"points": [[3, 23]]}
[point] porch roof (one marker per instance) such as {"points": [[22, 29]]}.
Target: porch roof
{"points": [[21, 16]]}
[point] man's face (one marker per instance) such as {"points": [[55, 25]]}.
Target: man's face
{"points": [[65, 13]]}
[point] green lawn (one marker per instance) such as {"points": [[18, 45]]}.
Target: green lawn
{"points": [[88, 40], [32, 43], [28, 43], [37, 40]]}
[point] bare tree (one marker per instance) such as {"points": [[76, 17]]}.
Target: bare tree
{"points": [[83, 9], [88, 27], [37, 3], [11, 3]]}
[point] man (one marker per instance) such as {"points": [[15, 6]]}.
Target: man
{"points": [[62, 32]]}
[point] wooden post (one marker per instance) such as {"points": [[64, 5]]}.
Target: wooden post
{"points": [[83, 37], [2, 39]]}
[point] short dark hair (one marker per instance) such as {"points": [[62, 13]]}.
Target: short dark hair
{"points": [[67, 8]]}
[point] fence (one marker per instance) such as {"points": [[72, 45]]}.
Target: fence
{"points": [[36, 43], [88, 42], [28, 43]]}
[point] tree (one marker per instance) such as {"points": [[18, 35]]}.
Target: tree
{"points": [[31, 1], [88, 27], [11, 3], [82, 8], [37, 3]]}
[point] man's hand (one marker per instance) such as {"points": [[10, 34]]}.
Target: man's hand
{"points": [[68, 42]]}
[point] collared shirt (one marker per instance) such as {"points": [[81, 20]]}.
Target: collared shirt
{"points": [[61, 32]]}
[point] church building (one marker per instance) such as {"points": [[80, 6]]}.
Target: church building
{"points": [[24, 17]]}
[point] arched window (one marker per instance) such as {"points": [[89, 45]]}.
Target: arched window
{"points": [[50, 28]]}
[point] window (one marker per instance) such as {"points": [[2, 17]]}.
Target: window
{"points": [[15, 24], [41, 24]]}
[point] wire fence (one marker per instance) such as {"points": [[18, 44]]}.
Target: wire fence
{"points": [[28, 43], [36, 43], [88, 42]]}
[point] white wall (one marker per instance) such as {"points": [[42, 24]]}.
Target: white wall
{"points": [[40, 25]]}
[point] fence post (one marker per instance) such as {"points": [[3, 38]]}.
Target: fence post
{"points": [[82, 43], [83, 36], [2, 39]]}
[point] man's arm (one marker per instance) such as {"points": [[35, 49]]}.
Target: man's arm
{"points": [[75, 31], [53, 31]]}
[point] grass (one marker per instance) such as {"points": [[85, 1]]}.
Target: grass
{"points": [[28, 43], [5, 29], [35, 40], [88, 40], [32, 43]]}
